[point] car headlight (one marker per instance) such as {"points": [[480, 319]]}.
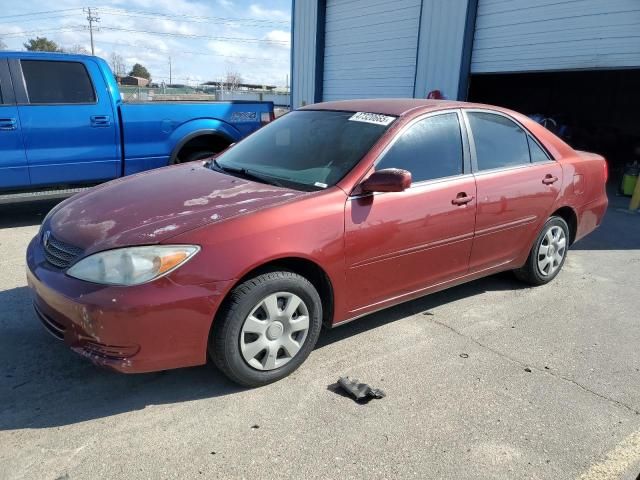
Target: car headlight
{"points": [[132, 265]]}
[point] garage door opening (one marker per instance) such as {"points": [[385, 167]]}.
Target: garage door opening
{"points": [[597, 111]]}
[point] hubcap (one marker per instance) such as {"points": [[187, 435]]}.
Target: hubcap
{"points": [[552, 250], [274, 331]]}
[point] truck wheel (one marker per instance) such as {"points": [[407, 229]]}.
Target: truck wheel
{"points": [[193, 156], [266, 328], [547, 255]]}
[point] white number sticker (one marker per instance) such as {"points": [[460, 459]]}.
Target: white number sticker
{"points": [[374, 118]]}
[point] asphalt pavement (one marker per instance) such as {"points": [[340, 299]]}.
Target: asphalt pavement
{"points": [[487, 380]]}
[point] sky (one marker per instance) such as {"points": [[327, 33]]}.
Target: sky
{"points": [[205, 39]]}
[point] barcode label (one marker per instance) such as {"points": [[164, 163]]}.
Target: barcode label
{"points": [[374, 118]]}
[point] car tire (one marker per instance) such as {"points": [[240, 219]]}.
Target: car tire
{"points": [[548, 254], [259, 313]]}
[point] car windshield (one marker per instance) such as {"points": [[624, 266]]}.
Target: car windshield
{"points": [[306, 149]]}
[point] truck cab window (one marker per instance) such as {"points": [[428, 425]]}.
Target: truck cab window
{"points": [[54, 82]]}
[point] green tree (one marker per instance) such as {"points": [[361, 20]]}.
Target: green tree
{"points": [[42, 44], [140, 71]]}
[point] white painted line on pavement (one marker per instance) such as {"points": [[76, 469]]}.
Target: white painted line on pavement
{"points": [[617, 462]]}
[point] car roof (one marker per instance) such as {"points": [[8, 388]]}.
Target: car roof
{"points": [[394, 106]]}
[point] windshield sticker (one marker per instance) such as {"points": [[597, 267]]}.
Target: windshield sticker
{"points": [[374, 118], [321, 185]]}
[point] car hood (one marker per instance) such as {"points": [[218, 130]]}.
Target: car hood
{"points": [[151, 207]]}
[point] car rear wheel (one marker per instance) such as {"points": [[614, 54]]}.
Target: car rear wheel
{"points": [[266, 328], [548, 253]]}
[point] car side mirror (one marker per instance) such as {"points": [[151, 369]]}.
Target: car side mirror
{"points": [[387, 180]]}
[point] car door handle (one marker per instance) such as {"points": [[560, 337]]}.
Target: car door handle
{"points": [[8, 124], [549, 179], [100, 121], [462, 199]]}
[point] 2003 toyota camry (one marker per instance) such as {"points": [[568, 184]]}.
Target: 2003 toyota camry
{"points": [[332, 212]]}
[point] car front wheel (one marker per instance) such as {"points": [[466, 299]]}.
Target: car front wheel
{"points": [[266, 328], [548, 253]]}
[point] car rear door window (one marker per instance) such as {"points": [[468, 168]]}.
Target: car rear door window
{"points": [[53, 82], [536, 152], [499, 142], [429, 149]]}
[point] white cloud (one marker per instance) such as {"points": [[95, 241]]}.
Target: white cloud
{"points": [[199, 59], [279, 36], [269, 14]]}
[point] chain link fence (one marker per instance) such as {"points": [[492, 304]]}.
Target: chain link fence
{"points": [[146, 94]]}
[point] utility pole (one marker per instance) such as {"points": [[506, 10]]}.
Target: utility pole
{"points": [[91, 19], [170, 82]]}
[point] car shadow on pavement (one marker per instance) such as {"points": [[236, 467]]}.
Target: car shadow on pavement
{"points": [[25, 214], [620, 230], [499, 282], [43, 384]]}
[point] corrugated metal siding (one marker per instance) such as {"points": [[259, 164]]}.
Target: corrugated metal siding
{"points": [[440, 47], [303, 58], [534, 35], [370, 48]]}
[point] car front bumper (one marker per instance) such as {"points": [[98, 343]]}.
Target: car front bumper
{"points": [[156, 326]]}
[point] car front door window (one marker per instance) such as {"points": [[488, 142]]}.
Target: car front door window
{"points": [[429, 149]]}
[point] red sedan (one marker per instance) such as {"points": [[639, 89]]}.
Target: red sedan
{"points": [[332, 212]]}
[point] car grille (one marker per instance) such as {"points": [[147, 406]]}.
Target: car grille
{"points": [[60, 254]]}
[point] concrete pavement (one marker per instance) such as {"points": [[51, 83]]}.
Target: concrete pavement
{"points": [[502, 381]]}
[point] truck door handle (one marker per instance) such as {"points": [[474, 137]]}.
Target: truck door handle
{"points": [[8, 124], [462, 199], [100, 121], [549, 179]]}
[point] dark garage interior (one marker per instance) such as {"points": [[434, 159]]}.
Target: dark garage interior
{"points": [[597, 111]]}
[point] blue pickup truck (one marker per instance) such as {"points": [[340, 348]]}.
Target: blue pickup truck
{"points": [[63, 125]]}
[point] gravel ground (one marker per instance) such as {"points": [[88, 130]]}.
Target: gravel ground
{"points": [[495, 381]]}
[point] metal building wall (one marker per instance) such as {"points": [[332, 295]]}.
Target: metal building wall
{"points": [[441, 47], [303, 51], [380, 48], [535, 35], [370, 48]]}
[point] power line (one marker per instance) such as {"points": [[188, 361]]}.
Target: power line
{"points": [[193, 35], [191, 18], [187, 52], [74, 28], [39, 19], [39, 13], [71, 28]]}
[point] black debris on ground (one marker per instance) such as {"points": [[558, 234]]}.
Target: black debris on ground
{"points": [[360, 392]]}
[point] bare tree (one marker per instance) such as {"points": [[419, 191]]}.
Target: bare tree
{"points": [[77, 49], [117, 64], [232, 80]]}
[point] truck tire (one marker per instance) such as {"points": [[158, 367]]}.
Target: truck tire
{"points": [[547, 255], [266, 328], [193, 156]]}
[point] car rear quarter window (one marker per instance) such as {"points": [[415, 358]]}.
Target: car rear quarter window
{"points": [[429, 149], [536, 152], [53, 82], [499, 142]]}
